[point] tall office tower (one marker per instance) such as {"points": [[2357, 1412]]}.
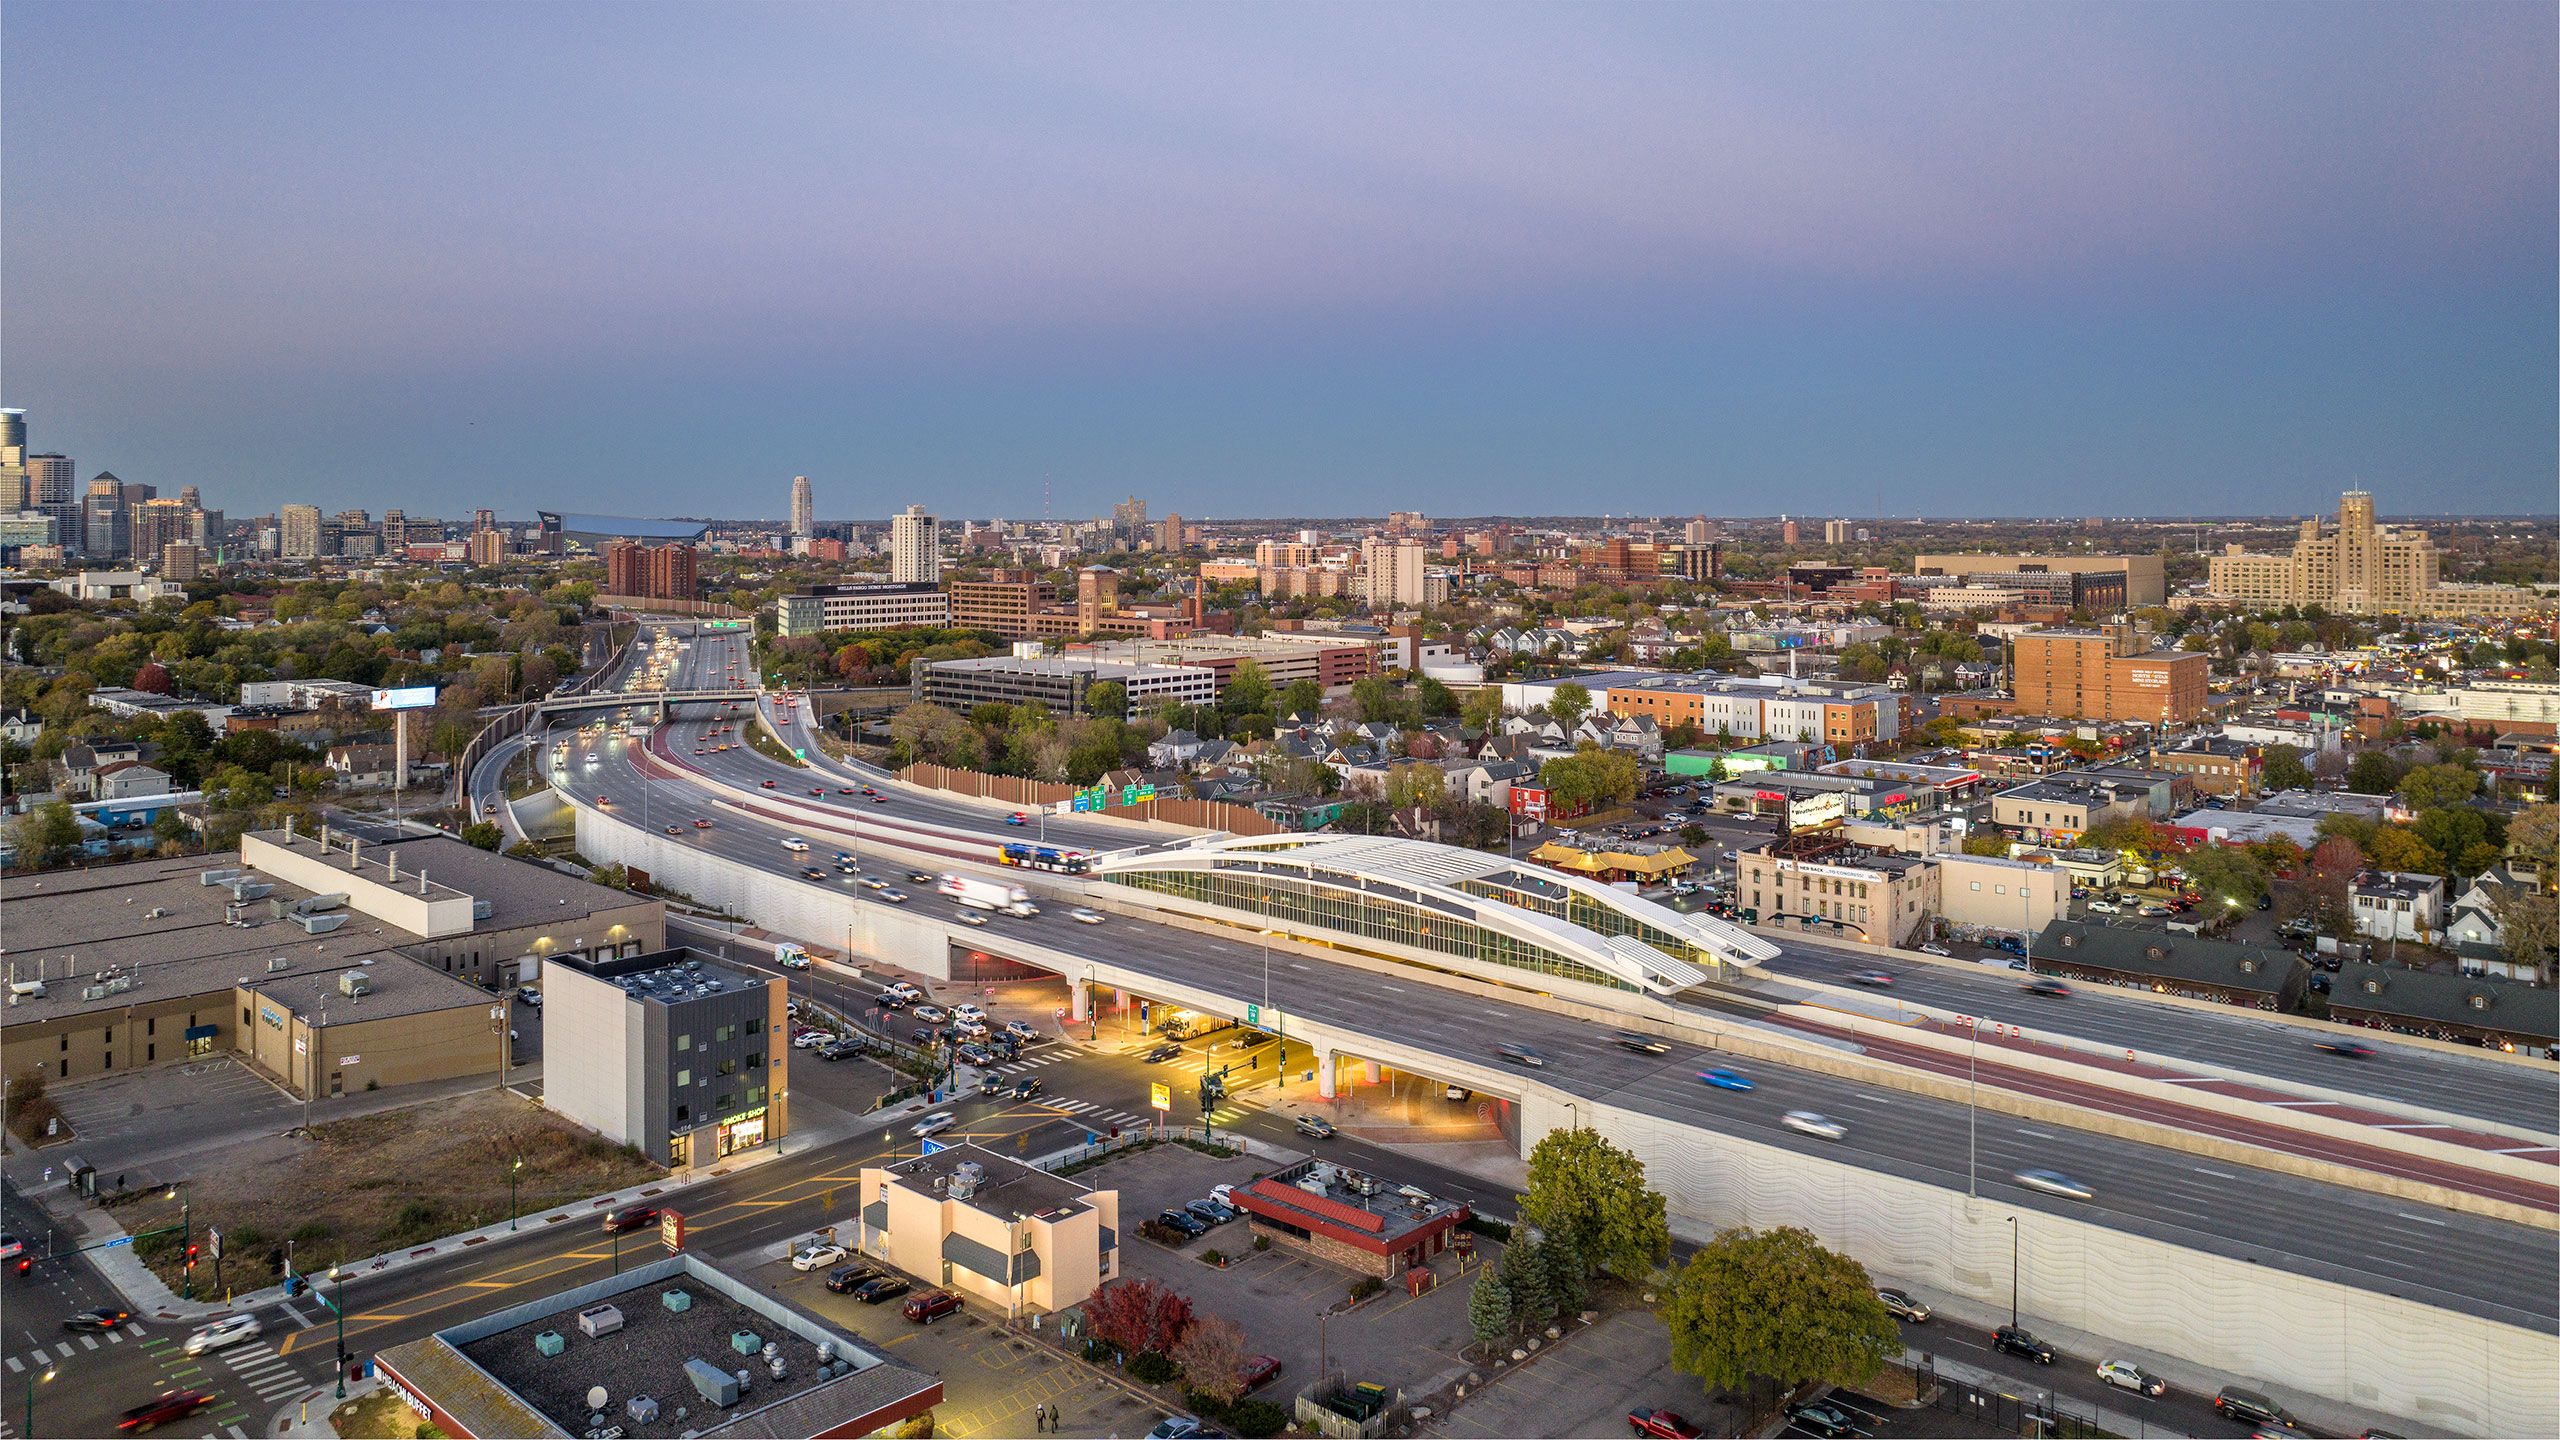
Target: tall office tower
{"points": [[298, 536], [915, 547], [804, 507], [1390, 573], [13, 489], [1129, 518], [155, 525], [106, 532], [52, 489], [13, 437], [395, 532], [1788, 531], [1697, 531], [191, 495]]}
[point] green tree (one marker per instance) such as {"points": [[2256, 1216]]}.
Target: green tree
{"points": [[2396, 847], [2374, 773], [1527, 1275], [1991, 843], [1248, 688], [1301, 697], [2227, 873], [47, 834], [1590, 778], [1569, 704], [2434, 787], [1482, 708], [483, 834], [2528, 924], [1109, 699], [2461, 836], [1588, 1198], [2280, 767], [1489, 1309], [169, 829], [1379, 699], [1776, 1305]]}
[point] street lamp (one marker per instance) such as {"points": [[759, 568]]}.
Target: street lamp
{"points": [[337, 1303], [32, 1378], [186, 1237], [513, 1168], [2013, 1268]]}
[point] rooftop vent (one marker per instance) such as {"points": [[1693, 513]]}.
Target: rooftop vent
{"points": [[320, 924], [354, 982], [276, 963], [549, 1343], [597, 1321], [678, 1301], [745, 1342], [711, 1382], [212, 878]]}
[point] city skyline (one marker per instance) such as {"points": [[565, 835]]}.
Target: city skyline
{"points": [[1969, 261]]}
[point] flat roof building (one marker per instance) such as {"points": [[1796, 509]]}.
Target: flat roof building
{"points": [[666, 1343], [1060, 683], [669, 1051], [890, 605], [2145, 578], [1013, 1238], [2103, 674]]}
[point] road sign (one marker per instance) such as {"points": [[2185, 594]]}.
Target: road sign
{"points": [[1160, 1095], [671, 1229], [1253, 1014], [214, 1237]]}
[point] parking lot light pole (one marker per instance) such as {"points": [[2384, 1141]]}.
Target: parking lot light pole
{"points": [[337, 1303], [514, 1167], [2013, 1268]]}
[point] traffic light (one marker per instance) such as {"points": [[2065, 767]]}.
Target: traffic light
{"points": [[191, 1256]]}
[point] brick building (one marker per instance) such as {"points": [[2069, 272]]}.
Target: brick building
{"points": [[2099, 673]]}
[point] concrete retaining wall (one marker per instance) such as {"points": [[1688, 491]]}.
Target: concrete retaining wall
{"points": [[2465, 1374]]}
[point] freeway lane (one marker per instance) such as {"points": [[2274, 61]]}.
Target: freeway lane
{"points": [[2477, 1265], [2504, 1091]]}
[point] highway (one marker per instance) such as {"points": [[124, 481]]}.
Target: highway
{"points": [[2509, 1093], [2482, 1266]]}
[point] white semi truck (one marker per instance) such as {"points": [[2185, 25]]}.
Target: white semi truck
{"points": [[993, 895]]}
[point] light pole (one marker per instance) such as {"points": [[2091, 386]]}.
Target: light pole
{"points": [[513, 1168], [337, 1303], [32, 1378], [2013, 1268], [186, 1236], [1972, 1115]]}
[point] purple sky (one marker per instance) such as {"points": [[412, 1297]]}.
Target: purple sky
{"points": [[1290, 260]]}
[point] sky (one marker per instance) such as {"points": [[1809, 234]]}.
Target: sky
{"points": [[1290, 260]]}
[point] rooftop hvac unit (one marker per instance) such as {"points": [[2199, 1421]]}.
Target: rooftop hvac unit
{"points": [[354, 982], [320, 924], [482, 909], [93, 992], [276, 963], [641, 1409], [549, 1342], [712, 1383], [678, 1301], [597, 1321], [245, 888], [745, 1342], [317, 904], [211, 878]]}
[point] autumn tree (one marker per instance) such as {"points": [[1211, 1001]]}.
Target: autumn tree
{"points": [[1776, 1305], [1211, 1357], [1138, 1317], [2433, 787]]}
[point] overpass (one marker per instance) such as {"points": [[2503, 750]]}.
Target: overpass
{"points": [[657, 700]]}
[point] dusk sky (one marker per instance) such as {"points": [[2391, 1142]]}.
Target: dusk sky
{"points": [[1249, 260]]}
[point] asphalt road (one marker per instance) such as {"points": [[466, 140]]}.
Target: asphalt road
{"points": [[2460, 1261], [2488, 1089]]}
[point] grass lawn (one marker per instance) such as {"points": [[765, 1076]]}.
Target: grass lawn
{"points": [[379, 1416], [378, 1182]]}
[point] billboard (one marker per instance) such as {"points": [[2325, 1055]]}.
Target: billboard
{"points": [[414, 697]]}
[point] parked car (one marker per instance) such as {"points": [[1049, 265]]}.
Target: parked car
{"points": [[1315, 1127], [1820, 1417], [2017, 1340], [161, 1409], [1211, 1211], [2125, 1375], [845, 1279], [1902, 1306], [1192, 1226], [930, 1306], [812, 1257], [630, 1217], [229, 1330], [1177, 1427], [2253, 1409], [1256, 1372], [1662, 1424], [879, 1288], [1936, 950]]}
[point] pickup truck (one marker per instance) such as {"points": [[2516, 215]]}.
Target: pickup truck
{"points": [[1662, 1423]]}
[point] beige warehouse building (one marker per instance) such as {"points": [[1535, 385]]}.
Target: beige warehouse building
{"points": [[1007, 1237]]}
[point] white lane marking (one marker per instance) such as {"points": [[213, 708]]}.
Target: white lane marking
{"points": [[2216, 1174], [2292, 1104], [2423, 1219], [2039, 1134], [2526, 1150]]}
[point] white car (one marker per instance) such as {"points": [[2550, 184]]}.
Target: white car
{"points": [[229, 1330], [813, 1256], [894, 897], [1806, 1122], [1936, 950], [933, 1124], [2125, 1375], [903, 991], [796, 845], [2054, 1182], [1082, 916], [932, 1014]]}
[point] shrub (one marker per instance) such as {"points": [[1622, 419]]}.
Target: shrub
{"points": [[1366, 1286], [1151, 1368], [1214, 1257], [1261, 1243], [1254, 1418], [1490, 1228]]}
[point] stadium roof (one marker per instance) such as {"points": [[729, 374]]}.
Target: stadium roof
{"points": [[597, 529]]}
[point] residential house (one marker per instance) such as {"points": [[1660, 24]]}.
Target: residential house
{"points": [[21, 728], [2398, 905], [364, 766], [129, 779], [2475, 933]]}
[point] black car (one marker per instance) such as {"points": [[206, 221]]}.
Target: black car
{"points": [[1183, 1220], [2052, 989], [2340, 1045], [2018, 1340], [1162, 1053], [879, 1288], [920, 877], [1641, 1044], [1028, 1086], [102, 1319], [1821, 1418], [844, 1279]]}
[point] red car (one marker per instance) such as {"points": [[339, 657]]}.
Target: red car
{"points": [[1256, 1372], [930, 1306], [701, 824], [1662, 1423], [846, 790], [162, 1408], [768, 784], [630, 1217]]}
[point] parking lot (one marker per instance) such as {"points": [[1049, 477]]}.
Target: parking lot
{"points": [[1281, 1297], [1586, 1388]]}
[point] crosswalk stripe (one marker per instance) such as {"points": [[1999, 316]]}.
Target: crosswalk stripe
{"points": [[14, 1365], [133, 1330], [88, 1342], [63, 1350]]}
